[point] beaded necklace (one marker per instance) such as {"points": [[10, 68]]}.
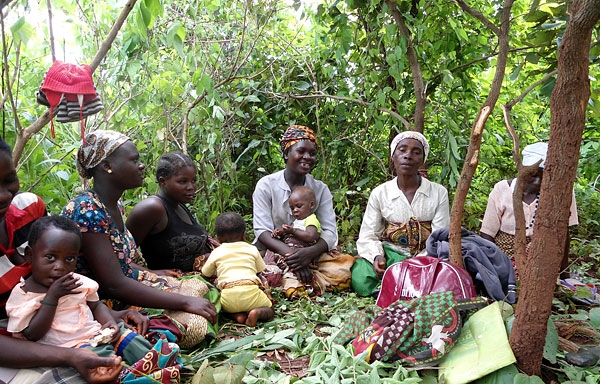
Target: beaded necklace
{"points": [[537, 203]]}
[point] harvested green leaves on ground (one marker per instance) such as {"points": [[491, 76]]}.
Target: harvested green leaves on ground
{"points": [[296, 347]]}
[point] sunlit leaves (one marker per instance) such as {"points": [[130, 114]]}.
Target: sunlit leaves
{"points": [[176, 37], [21, 31]]}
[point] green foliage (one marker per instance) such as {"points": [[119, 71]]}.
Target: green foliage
{"points": [[521, 378], [301, 328], [222, 79], [551, 345]]}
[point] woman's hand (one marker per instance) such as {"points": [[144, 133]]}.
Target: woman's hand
{"points": [[304, 274], [167, 272], [95, 369], [133, 320], [379, 266], [201, 306], [299, 258]]}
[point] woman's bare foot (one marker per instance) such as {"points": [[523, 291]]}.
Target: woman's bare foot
{"points": [[262, 313]]}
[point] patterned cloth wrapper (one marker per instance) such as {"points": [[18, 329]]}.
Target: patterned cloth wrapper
{"points": [[329, 274], [197, 328], [163, 325], [417, 333], [411, 234], [199, 261], [295, 134], [506, 243], [162, 364]]}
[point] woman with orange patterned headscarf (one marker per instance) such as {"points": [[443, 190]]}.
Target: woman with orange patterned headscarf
{"points": [[310, 270]]}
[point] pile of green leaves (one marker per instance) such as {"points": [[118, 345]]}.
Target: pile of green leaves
{"points": [[300, 328], [303, 332]]}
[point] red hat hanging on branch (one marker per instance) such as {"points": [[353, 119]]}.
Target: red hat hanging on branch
{"points": [[70, 90]]}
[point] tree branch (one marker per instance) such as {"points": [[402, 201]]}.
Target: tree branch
{"points": [[415, 68], [479, 16], [51, 30], [24, 135], [472, 157], [520, 98], [523, 173], [320, 94]]}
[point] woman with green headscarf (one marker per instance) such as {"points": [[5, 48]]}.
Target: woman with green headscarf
{"points": [[310, 270]]}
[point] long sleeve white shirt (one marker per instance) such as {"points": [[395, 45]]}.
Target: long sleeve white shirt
{"points": [[387, 204], [271, 207]]}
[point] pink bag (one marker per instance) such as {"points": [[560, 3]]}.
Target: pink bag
{"points": [[422, 275]]}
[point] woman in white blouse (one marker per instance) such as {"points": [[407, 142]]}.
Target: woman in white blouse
{"points": [[310, 270], [400, 215]]}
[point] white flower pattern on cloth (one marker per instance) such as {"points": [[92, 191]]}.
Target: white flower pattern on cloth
{"points": [[436, 340]]}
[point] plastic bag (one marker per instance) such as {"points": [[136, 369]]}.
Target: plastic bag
{"points": [[482, 348]]}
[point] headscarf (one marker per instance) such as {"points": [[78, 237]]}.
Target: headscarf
{"points": [[534, 153], [410, 135], [98, 145], [296, 134]]}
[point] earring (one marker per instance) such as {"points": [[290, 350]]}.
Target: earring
{"points": [[109, 171]]}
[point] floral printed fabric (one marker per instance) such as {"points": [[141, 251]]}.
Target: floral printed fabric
{"points": [[162, 364], [90, 214]]}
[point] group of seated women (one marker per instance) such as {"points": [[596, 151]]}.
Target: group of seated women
{"points": [[399, 217]]}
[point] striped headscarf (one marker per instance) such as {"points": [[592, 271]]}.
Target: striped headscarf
{"points": [[295, 134], [410, 135], [98, 145]]}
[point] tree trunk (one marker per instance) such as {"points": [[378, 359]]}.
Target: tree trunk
{"points": [[567, 105], [415, 68], [472, 158]]}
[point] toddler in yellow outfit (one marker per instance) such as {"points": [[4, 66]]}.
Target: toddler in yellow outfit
{"points": [[236, 264]]}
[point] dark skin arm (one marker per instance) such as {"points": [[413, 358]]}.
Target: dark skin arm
{"points": [[297, 259], [100, 256], [147, 218], [161, 272], [486, 236], [41, 321], [17, 353]]}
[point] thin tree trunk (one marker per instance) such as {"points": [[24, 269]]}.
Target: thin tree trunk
{"points": [[415, 69], [567, 105], [472, 158]]}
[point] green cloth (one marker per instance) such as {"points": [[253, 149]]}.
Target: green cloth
{"points": [[134, 348], [364, 279]]}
